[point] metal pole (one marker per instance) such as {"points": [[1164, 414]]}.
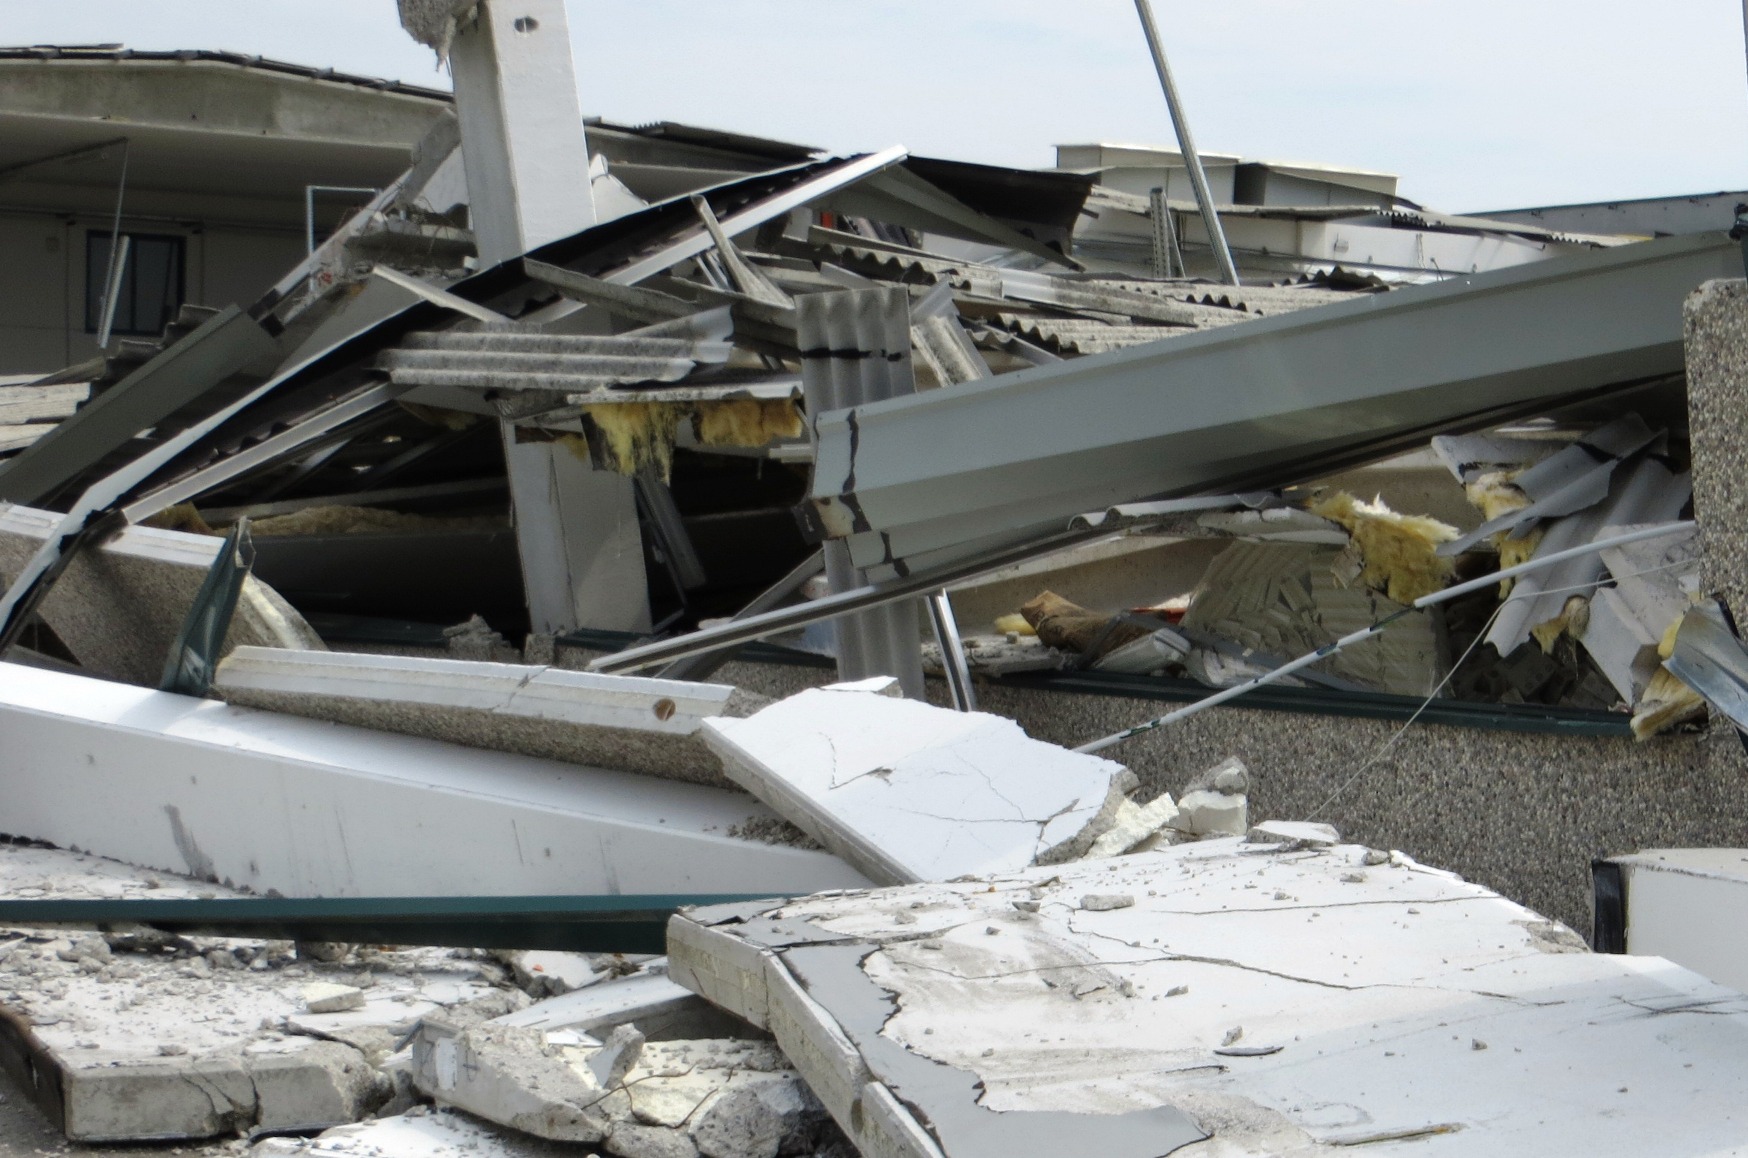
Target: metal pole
{"points": [[1187, 145], [953, 663], [112, 275], [1366, 633], [118, 251]]}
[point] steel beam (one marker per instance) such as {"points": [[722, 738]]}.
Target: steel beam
{"points": [[916, 482], [226, 344]]}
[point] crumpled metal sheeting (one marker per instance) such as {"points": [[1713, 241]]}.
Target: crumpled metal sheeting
{"points": [[1648, 493], [1084, 335], [1710, 659]]}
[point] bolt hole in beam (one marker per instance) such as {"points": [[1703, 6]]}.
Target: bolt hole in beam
{"points": [[526, 24]]}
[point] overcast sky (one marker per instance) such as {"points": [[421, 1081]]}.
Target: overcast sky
{"points": [[1477, 104]]}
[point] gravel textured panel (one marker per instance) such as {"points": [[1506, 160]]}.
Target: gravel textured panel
{"points": [[1520, 813], [1716, 321], [663, 754], [119, 612]]}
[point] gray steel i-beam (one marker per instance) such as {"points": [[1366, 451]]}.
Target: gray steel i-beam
{"points": [[914, 483]]}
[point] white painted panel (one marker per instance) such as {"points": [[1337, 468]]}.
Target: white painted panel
{"points": [[315, 809]]}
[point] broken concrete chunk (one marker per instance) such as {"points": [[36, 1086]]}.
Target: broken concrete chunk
{"points": [[616, 1055], [550, 972], [1134, 825], [1105, 902], [1205, 812], [327, 997], [909, 792], [756, 1121], [508, 1075], [119, 605], [632, 1140]]}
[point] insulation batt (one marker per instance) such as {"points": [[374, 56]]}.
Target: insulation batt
{"points": [[1399, 552], [1667, 701]]}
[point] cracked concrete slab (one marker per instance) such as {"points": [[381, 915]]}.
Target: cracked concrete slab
{"points": [[627, 723], [1268, 998], [137, 1036], [908, 792]]}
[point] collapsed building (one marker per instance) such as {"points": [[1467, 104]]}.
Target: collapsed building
{"points": [[589, 521]]}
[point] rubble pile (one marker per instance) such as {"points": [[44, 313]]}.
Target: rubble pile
{"points": [[641, 641]]}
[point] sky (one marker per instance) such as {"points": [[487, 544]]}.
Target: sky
{"points": [[1476, 104]]}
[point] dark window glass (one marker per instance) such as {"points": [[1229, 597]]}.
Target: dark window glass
{"points": [[151, 282]]}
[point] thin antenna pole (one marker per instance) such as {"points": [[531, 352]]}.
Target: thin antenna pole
{"points": [[118, 254], [1187, 145]]}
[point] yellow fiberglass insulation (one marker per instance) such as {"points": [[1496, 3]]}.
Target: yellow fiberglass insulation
{"points": [[746, 421], [337, 519], [1666, 701], [1495, 494], [1574, 617], [1399, 552], [181, 517], [637, 434]]}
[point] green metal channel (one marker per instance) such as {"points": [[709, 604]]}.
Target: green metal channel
{"points": [[592, 924]]}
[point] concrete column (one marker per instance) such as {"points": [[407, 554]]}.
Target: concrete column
{"points": [[579, 540], [521, 130]]}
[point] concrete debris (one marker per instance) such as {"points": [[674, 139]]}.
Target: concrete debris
{"points": [[1346, 992], [326, 997], [155, 1037], [722, 1098], [908, 792]]}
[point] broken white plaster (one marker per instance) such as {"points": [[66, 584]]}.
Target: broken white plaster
{"points": [[1278, 998], [909, 792]]}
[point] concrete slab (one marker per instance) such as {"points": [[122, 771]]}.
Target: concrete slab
{"points": [[269, 801], [908, 792], [627, 723], [151, 1038], [119, 606], [1254, 999]]}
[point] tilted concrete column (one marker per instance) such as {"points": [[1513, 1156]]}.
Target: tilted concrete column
{"points": [[521, 128]]}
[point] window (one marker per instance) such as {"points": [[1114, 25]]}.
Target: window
{"points": [[151, 282]]}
